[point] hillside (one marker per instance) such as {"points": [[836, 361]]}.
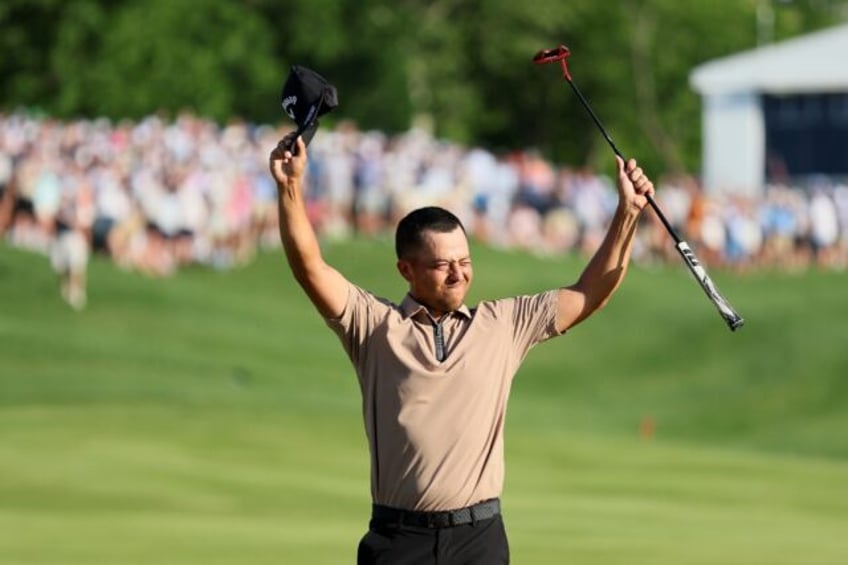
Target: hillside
{"points": [[212, 418]]}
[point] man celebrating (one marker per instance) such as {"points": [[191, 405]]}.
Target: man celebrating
{"points": [[435, 375]]}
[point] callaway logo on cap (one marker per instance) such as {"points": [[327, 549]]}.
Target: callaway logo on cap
{"points": [[287, 104]]}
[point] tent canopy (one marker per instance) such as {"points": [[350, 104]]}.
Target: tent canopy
{"points": [[815, 62]]}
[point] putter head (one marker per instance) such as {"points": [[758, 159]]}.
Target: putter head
{"points": [[557, 54], [551, 55]]}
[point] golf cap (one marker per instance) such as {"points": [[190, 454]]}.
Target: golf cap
{"points": [[306, 96]]}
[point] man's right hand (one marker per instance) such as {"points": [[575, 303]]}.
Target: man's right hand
{"points": [[287, 168]]}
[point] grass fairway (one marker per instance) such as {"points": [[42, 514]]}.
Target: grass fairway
{"points": [[213, 419]]}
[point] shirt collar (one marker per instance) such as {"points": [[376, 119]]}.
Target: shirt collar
{"points": [[411, 307]]}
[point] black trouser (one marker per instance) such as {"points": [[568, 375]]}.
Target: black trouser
{"points": [[480, 543]]}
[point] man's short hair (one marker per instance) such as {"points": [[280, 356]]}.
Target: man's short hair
{"points": [[408, 236]]}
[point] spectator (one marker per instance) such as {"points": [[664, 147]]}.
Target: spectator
{"points": [[70, 247], [824, 227]]}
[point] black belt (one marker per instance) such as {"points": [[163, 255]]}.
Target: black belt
{"points": [[446, 519]]}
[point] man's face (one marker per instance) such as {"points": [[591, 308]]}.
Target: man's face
{"points": [[440, 273]]}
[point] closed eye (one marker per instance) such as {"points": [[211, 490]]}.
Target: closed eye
{"points": [[446, 265]]}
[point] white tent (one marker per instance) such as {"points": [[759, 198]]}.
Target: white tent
{"points": [[733, 89]]}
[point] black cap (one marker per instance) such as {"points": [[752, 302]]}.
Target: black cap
{"points": [[306, 96]]}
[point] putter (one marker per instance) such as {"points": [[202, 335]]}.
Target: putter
{"points": [[733, 320]]}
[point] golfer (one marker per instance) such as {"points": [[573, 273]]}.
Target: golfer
{"points": [[435, 374]]}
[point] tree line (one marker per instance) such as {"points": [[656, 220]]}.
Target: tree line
{"points": [[462, 66]]}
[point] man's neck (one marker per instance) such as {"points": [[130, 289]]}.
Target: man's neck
{"points": [[436, 315]]}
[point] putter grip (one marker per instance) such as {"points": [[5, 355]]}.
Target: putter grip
{"points": [[724, 308]]}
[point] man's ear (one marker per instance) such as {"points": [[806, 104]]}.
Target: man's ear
{"points": [[405, 269]]}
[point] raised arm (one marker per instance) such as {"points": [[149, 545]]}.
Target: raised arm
{"points": [[325, 286], [607, 268]]}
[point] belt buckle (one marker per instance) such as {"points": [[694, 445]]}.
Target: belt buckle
{"points": [[453, 519], [439, 520]]}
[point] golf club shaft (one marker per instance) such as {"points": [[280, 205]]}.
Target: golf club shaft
{"points": [[724, 308], [606, 135]]}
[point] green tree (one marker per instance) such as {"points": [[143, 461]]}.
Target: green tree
{"points": [[212, 56], [127, 59], [75, 57], [29, 35], [357, 46], [665, 40]]}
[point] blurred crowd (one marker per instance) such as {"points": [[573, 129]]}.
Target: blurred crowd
{"points": [[155, 195]]}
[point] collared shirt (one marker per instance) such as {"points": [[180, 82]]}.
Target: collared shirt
{"points": [[435, 428]]}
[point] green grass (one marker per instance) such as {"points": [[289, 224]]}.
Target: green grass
{"points": [[212, 419]]}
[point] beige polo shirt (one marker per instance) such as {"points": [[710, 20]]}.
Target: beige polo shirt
{"points": [[435, 429]]}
